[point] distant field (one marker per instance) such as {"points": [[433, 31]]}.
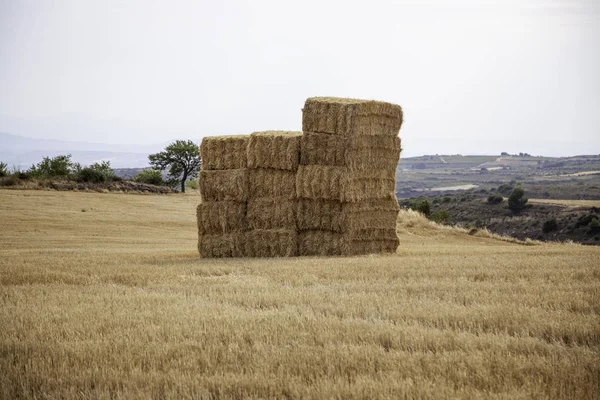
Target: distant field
{"points": [[104, 296], [568, 203]]}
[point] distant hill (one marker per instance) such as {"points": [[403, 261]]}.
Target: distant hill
{"points": [[22, 151]]}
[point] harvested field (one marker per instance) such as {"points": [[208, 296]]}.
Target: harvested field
{"points": [[274, 149], [224, 152], [349, 117], [114, 303]]}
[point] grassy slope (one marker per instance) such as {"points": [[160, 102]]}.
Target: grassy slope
{"points": [[104, 295]]}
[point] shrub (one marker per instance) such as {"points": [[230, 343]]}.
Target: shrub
{"points": [[55, 167], [3, 169], [441, 217], [96, 173], [423, 207], [446, 199], [550, 225], [150, 176], [505, 188], [594, 225], [495, 199], [517, 199], [192, 184]]}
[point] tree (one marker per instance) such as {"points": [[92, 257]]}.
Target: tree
{"points": [[516, 200], [181, 159]]}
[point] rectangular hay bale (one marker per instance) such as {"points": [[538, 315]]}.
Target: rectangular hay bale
{"points": [[224, 152], [322, 243], [221, 245], [274, 149], [271, 243], [339, 183], [350, 117], [224, 185], [354, 152], [267, 182], [215, 217], [341, 217], [327, 243], [271, 213]]}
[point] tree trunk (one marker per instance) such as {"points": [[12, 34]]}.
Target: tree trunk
{"points": [[184, 178]]}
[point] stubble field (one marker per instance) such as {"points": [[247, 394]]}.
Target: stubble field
{"points": [[104, 296]]}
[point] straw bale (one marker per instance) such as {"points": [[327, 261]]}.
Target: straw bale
{"points": [[266, 182], [373, 246], [327, 243], [271, 243], [274, 149], [216, 217], [336, 216], [350, 117], [342, 184], [271, 213], [354, 152], [224, 185], [224, 152], [221, 245], [322, 243]]}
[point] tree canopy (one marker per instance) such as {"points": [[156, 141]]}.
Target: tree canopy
{"points": [[181, 159]]}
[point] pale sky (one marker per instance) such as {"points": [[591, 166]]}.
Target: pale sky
{"points": [[473, 77]]}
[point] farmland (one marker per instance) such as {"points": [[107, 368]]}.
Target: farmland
{"points": [[104, 296]]}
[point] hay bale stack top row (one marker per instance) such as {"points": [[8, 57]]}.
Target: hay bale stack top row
{"points": [[329, 190]]}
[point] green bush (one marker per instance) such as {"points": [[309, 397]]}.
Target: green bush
{"points": [[423, 207], [495, 199], [441, 217], [517, 199], [192, 184], [96, 173], [150, 176], [550, 225], [594, 225], [55, 167], [3, 169], [446, 199], [505, 188]]}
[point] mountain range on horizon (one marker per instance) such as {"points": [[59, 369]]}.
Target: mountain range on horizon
{"points": [[21, 152]]}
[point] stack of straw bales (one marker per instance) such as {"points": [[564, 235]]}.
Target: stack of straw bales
{"points": [[273, 159], [223, 180], [329, 190], [347, 175]]}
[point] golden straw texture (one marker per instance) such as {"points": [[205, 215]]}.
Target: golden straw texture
{"points": [[274, 149], [224, 185], [224, 152], [351, 117]]}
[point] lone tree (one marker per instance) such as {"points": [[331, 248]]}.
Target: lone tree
{"points": [[517, 199], [181, 159]]}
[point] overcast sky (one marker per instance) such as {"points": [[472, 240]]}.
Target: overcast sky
{"points": [[473, 77]]}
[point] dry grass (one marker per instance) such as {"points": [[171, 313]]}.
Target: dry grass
{"points": [[568, 203], [115, 303], [224, 152]]}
